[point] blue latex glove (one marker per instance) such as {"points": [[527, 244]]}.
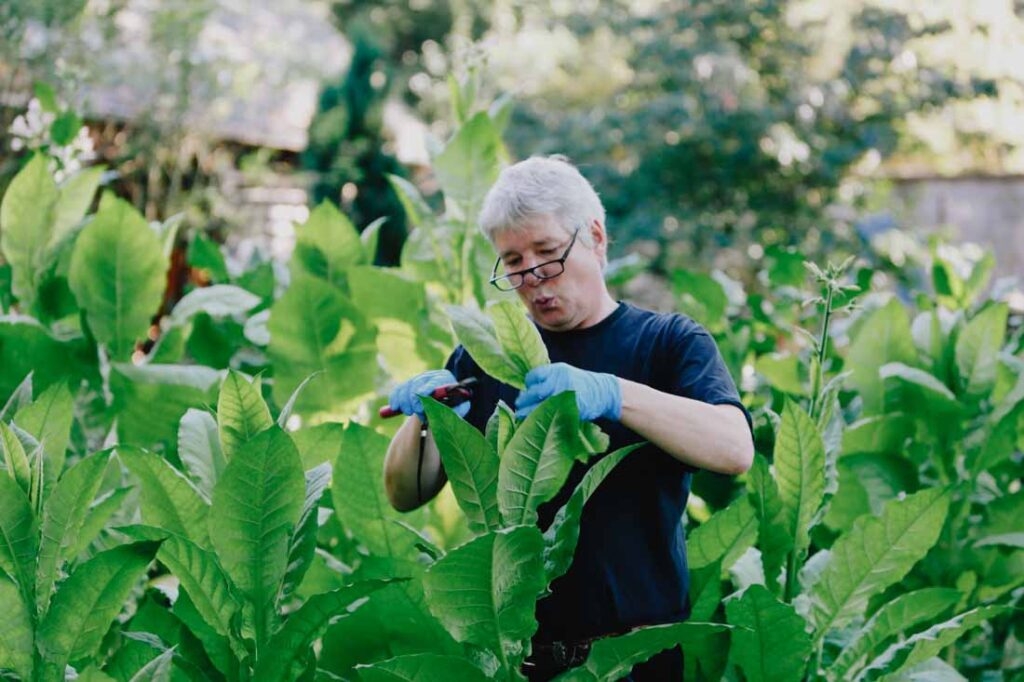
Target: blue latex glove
{"points": [[406, 396], [597, 394]]}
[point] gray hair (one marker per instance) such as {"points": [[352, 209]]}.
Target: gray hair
{"points": [[541, 185]]}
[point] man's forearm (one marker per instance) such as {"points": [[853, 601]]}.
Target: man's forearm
{"points": [[712, 437], [401, 468]]}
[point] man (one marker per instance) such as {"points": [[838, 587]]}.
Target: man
{"points": [[639, 375]]}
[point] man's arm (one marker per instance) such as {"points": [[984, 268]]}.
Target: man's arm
{"points": [[401, 463], [712, 437]]}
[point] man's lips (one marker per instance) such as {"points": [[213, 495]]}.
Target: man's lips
{"points": [[543, 301]]}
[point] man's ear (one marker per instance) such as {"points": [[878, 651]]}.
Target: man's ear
{"points": [[599, 238]]}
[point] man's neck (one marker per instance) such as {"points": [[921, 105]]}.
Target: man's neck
{"points": [[605, 307]]}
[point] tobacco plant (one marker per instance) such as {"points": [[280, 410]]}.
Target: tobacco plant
{"points": [[56, 604], [893, 510]]}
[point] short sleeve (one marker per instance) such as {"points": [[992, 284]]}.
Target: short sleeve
{"points": [[700, 371], [461, 364]]}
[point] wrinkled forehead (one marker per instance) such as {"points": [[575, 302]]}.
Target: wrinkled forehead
{"points": [[530, 233]]}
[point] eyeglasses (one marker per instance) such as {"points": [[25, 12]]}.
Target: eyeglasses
{"points": [[547, 270]]}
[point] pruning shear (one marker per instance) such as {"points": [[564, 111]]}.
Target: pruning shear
{"points": [[449, 394]]}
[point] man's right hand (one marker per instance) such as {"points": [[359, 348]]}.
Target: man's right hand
{"points": [[406, 396]]}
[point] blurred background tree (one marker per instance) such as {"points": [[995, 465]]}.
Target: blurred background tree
{"points": [[347, 150]]}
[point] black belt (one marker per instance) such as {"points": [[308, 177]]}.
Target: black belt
{"points": [[562, 655]]}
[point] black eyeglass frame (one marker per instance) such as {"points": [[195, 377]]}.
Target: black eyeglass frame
{"points": [[495, 278]]}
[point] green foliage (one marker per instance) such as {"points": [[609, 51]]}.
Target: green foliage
{"points": [[769, 642], [877, 552], [877, 531], [345, 147], [118, 275], [471, 464], [484, 591], [256, 505]]}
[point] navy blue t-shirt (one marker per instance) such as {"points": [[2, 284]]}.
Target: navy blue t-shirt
{"points": [[630, 564]]}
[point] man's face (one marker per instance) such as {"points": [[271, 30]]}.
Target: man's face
{"points": [[569, 300]]}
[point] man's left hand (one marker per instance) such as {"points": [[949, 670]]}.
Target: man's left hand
{"points": [[597, 395]]}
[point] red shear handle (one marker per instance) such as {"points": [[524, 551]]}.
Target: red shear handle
{"points": [[451, 395]]}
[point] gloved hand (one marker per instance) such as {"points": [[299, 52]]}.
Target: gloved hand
{"points": [[597, 394], [406, 396]]}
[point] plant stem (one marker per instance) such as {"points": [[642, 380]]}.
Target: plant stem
{"points": [[819, 370]]}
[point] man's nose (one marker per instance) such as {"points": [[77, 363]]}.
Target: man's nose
{"points": [[531, 275]]}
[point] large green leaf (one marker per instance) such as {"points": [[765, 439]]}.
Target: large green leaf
{"points": [[417, 210], [216, 646], [218, 300], [49, 418], [398, 308], [866, 482], [19, 536], [977, 350], [357, 491], [422, 668], [896, 616], [169, 500], [76, 195], [118, 276], [469, 163], [15, 458], [159, 669], [87, 602], [100, 512], [302, 546], [800, 471], [884, 337], [199, 449], [314, 328], [770, 643], [63, 517], [16, 638], [326, 245], [477, 334], [1003, 432], [241, 412], [484, 592], [19, 397], [876, 553], [26, 226], [537, 460], [286, 655], [612, 658], [27, 346], [924, 645], [723, 537], [880, 433], [919, 393], [394, 622], [782, 371], [703, 298], [774, 539], [256, 504], [470, 463], [202, 577], [150, 401], [564, 532], [518, 336], [500, 427]]}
